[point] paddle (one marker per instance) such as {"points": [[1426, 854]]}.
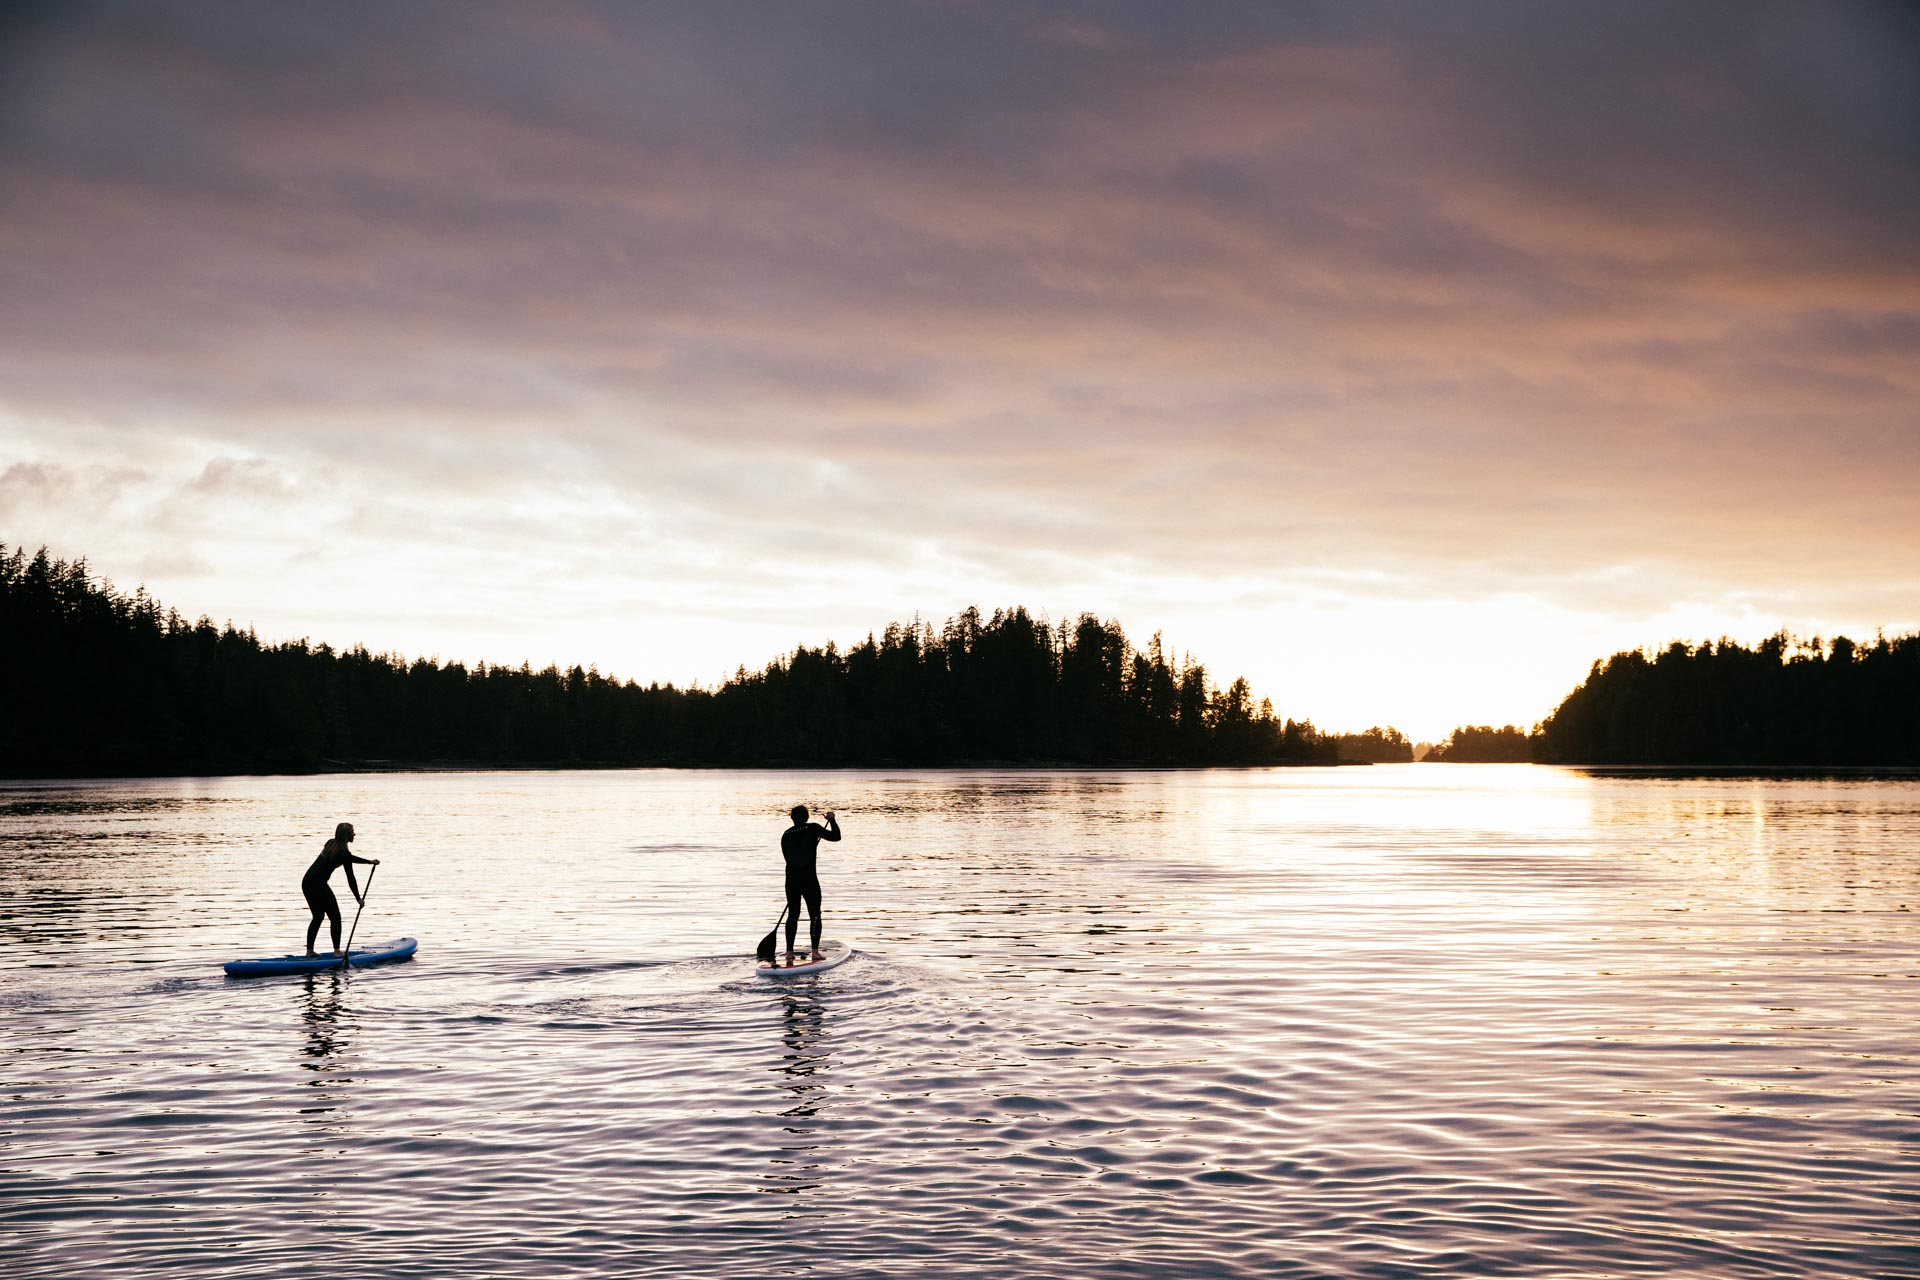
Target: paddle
{"points": [[346, 955], [765, 951]]}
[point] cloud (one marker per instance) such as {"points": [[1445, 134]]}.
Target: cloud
{"points": [[1607, 309]]}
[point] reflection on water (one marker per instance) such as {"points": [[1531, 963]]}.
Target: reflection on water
{"points": [[328, 1032], [1391, 1022], [323, 1015], [803, 1032], [806, 1057]]}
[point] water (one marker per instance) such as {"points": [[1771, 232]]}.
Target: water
{"points": [[1402, 1021]]}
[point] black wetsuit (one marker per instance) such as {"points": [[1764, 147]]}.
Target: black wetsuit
{"points": [[798, 845], [320, 895]]}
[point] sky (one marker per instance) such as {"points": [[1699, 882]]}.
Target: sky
{"points": [[1404, 359]]}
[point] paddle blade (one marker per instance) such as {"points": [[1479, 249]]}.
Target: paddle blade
{"points": [[765, 951]]}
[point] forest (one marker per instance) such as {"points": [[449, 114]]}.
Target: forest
{"points": [[1375, 746], [94, 681], [1780, 702], [1483, 744]]}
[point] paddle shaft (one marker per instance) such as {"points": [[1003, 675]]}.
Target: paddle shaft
{"points": [[346, 955]]}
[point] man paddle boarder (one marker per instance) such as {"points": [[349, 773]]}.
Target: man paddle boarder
{"points": [[320, 896], [798, 845]]}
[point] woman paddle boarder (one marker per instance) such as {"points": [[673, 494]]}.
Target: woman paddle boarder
{"points": [[798, 845], [320, 897]]}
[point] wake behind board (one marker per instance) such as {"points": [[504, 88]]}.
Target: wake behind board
{"points": [[359, 958], [833, 953]]}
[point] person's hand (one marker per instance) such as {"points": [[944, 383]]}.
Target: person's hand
{"points": [[829, 815], [360, 898], [376, 862]]}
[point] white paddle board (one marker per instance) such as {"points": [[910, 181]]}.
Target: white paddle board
{"points": [[832, 953]]}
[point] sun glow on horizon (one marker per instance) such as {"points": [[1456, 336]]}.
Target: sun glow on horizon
{"points": [[1403, 381]]}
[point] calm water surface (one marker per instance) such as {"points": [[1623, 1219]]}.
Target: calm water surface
{"points": [[1403, 1021]]}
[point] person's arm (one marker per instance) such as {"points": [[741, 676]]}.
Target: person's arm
{"points": [[351, 882], [832, 831], [368, 862]]}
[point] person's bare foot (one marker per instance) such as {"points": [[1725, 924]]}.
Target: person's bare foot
{"points": [[338, 954]]}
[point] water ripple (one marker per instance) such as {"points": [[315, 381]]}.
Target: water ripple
{"points": [[1389, 1023]]}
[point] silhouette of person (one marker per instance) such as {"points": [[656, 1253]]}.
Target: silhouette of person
{"points": [[314, 884], [798, 845]]}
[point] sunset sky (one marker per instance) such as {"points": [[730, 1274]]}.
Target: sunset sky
{"points": [[1403, 358]]}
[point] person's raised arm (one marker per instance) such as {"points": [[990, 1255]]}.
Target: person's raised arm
{"points": [[365, 862], [833, 828]]}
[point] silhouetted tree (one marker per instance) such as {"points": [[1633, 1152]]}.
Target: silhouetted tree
{"points": [[93, 681], [1782, 702], [1484, 744], [1376, 746]]}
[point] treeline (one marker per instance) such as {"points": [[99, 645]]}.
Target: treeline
{"points": [[1375, 746], [95, 681], [1483, 744], [1780, 702]]}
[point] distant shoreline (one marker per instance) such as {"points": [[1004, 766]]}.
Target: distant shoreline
{"points": [[347, 768], [343, 768], [102, 684], [1744, 770]]}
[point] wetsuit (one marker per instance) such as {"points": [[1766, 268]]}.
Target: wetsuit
{"points": [[798, 845], [320, 896]]}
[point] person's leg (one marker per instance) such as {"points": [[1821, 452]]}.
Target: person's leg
{"points": [[318, 907], [333, 919], [813, 915], [793, 916]]}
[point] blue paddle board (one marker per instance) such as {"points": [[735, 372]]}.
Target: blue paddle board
{"points": [[832, 953], [398, 949]]}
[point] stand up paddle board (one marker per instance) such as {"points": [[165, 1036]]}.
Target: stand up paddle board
{"points": [[359, 957], [832, 953]]}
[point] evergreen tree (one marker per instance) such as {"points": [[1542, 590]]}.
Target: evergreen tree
{"points": [[93, 681]]}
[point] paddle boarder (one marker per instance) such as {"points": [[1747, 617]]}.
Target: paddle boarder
{"points": [[798, 845], [320, 896]]}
